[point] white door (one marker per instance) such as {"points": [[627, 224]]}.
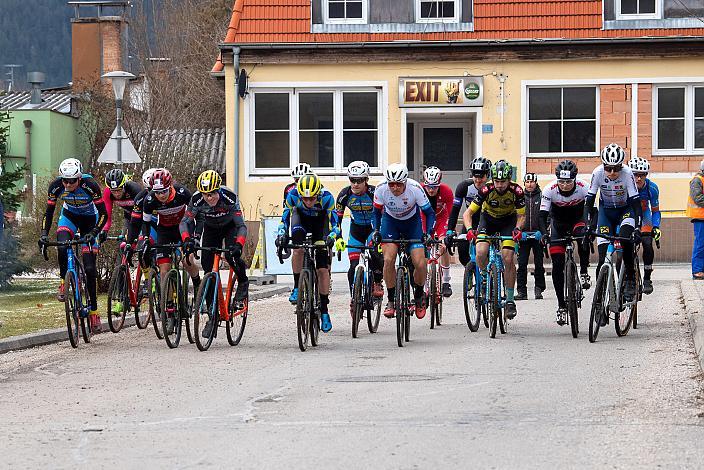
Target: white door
{"points": [[445, 144]]}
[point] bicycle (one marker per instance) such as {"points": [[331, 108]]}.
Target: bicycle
{"points": [[75, 283], [573, 285], [434, 283], [362, 298], [608, 294], [494, 296], [640, 295], [124, 294], [211, 306], [173, 299], [308, 304], [402, 300]]}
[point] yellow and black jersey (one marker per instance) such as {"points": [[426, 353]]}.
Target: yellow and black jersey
{"points": [[497, 204]]}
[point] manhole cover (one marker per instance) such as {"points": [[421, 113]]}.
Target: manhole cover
{"points": [[387, 378]]}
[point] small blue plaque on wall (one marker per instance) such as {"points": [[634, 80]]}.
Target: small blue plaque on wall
{"points": [[487, 128]]}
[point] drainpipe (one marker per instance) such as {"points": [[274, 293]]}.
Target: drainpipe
{"points": [[236, 127], [28, 153], [502, 80]]}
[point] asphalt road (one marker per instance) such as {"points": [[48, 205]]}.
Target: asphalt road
{"points": [[534, 398]]}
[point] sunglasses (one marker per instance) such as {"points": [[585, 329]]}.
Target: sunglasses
{"points": [[479, 175], [395, 184], [565, 181], [612, 169], [640, 175], [432, 186], [69, 180], [357, 180], [162, 191]]}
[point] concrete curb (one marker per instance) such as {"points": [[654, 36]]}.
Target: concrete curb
{"points": [[692, 296], [57, 335]]}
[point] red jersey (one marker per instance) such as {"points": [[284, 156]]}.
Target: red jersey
{"points": [[442, 205]]}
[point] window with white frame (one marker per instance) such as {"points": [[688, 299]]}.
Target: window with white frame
{"points": [[346, 11], [326, 128], [679, 119], [431, 11], [633, 9], [562, 120]]}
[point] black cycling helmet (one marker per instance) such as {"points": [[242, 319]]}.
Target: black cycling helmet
{"points": [[115, 178], [501, 170], [480, 165], [530, 177], [566, 169]]}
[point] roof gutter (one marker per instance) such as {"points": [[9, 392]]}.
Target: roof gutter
{"points": [[236, 127], [464, 42]]}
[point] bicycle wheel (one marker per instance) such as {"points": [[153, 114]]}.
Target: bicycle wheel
{"points": [[171, 308], [432, 294], [118, 298], [187, 305], [598, 307], [438, 282], [154, 287], [471, 310], [481, 301], [315, 312], [493, 304], [83, 296], [141, 284], [205, 309], [304, 306], [624, 316], [639, 290], [408, 297], [373, 306], [235, 325], [72, 321], [358, 299], [401, 306], [571, 288]]}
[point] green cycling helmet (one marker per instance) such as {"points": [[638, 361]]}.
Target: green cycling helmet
{"points": [[501, 170]]}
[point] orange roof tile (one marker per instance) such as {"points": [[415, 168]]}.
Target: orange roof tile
{"points": [[289, 21]]}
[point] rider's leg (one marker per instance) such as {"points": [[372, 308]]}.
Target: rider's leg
{"points": [[463, 251], [508, 257], [321, 262], [91, 277], [648, 256], [354, 262], [420, 271], [390, 250], [557, 253], [626, 231], [445, 264], [298, 236], [62, 236], [482, 254]]}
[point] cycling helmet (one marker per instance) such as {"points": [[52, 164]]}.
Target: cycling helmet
{"points": [[481, 165], [501, 170], [530, 177], [115, 178], [613, 155], [209, 181], [71, 168], [146, 177], [358, 169], [396, 173], [432, 175], [566, 169], [300, 170], [639, 165], [161, 179], [309, 185]]}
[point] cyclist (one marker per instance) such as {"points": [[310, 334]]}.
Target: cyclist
{"points": [[563, 202], [650, 203], [532, 194], [502, 207], [83, 211], [465, 192], [619, 210], [396, 215], [163, 209], [310, 208], [441, 199], [214, 215], [135, 226], [119, 190], [296, 173], [359, 198]]}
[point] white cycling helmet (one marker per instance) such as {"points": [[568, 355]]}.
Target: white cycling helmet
{"points": [[71, 168], [396, 173], [146, 177], [639, 165], [432, 175], [358, 169], [300, 170], [613, 155]]}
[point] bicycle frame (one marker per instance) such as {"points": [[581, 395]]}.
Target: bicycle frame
{"points": [[222, 300]]}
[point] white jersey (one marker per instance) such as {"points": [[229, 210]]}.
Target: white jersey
{"points": [[564, 207], [614, 193], [406, 205]]}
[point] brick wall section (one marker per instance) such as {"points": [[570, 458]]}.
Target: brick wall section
{"points": [[645, 122], [615, 104], [111, 32]]}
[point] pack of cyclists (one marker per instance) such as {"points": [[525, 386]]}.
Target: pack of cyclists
{"points": [[164, 214]]}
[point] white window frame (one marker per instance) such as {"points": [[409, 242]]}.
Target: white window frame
{"points": [[597, 111], [639, 16], [455, 19], [363, 20], [339, 169], [689, 118]]}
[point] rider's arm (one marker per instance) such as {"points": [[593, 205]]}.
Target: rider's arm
{"points": [[93, 188], [147, 215], [655, 204], [543, 220], [235, 214], [460, 193], [55, 189], [328, 203], [634, 200], [286, 216], [187, 224], [520, 204], [107, 199], [341, 204], [378, 210]]}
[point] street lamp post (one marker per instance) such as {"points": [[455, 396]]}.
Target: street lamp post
{"points": [[119, 81]]}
